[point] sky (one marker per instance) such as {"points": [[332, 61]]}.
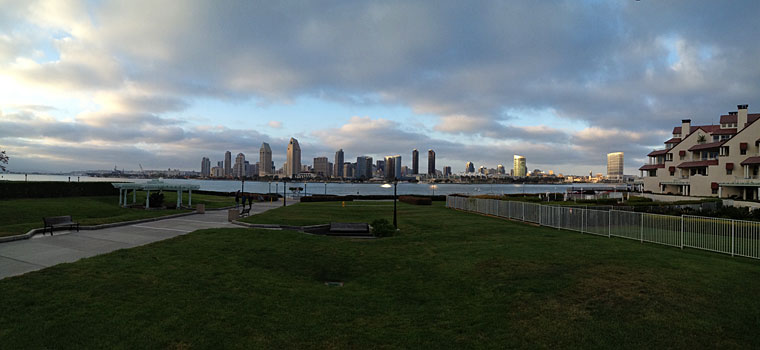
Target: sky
{"points": [[95, 84]]}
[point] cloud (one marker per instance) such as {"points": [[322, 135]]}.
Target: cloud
{"points": [[275, 124]]}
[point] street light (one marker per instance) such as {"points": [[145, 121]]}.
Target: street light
{"points": [[395, 184], [433, 187]]}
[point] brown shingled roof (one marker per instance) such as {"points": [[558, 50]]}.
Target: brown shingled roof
{"points": [[658, 152], [707, 146], [652, 166], [698, 164], [673, 140], [751, 160], [733, 118]]}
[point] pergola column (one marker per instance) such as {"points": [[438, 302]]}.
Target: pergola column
{"points": [[744, 193], [720, 191], [179, 198], [134, 195], [125, 197], [147, 199], [190, 197], [120, 190]]}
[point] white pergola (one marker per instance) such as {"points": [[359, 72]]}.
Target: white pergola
{"points": [[153, 185]]}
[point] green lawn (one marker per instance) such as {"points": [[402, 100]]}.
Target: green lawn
{"points": [[448, 280], [21, 215]]}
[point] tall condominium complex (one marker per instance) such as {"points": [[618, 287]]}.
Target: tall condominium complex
{"points": [[469, 168], [446, 170], [338, 171], [520, 167], [500, 169], [431, 163], [265, 160], [239, 170], [348, 170], [322, 166], [363, 167], [205, 167], [293, 165], [415, 162], [228, 163], [615, 166]]}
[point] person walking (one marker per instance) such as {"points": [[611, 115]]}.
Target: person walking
{"points": [[237, 199]]}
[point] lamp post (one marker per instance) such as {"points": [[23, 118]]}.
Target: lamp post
{"points": [[433, 187], [395, 184], [325, 187]]}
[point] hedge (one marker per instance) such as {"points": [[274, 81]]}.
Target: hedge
{"points": [[415, 200], [16, 189], [326, 198]]}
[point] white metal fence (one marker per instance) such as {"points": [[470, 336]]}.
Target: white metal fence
{"points": [[728, 236]]}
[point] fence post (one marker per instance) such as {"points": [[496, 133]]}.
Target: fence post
{"points": [[641, 235], [498, 208], [733, 245], [681, 231], [523, 209], [559, 217], [540, 218], [609, 223]]}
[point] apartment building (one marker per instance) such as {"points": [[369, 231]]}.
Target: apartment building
{"points": [[719, 160]]}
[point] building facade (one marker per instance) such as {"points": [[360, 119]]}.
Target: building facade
{"points": [[205, 167], [339, 160], [718, 160], [431, 163], [520, 166], [446, 171], [322, 167], [228, 163], [392, 169], [615, 166], [293, 165], [238, 171], [415, 161], [265, 159], [469, 168]]}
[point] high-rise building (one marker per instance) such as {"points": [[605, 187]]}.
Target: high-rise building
{"points": [[520, 167], [293, 165], [500, 169], [265, 159], [615, 166], [217, 171], [415, 162], [392, 169], [321, 166], [339, 163], [482, 170], [431, 163], [205, 167], [446, 171], [363, 168], [348, 170], [469, 168], [238, 170], [228, 163], [220, 164]]}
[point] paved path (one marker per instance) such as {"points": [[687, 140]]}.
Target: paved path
{"points": [[39, 252]]}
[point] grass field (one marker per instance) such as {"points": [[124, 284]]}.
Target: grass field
{"points": [[448, 280], [21, 215]]}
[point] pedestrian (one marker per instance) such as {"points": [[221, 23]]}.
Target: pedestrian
{"points": [[244, 199], [237, 199]]}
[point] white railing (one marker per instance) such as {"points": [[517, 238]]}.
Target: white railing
{"points": [[728, 236]]}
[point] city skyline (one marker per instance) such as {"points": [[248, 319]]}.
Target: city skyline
{"points": [[93, 85]]}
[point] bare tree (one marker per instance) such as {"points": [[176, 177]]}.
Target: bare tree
{"points": [[3, 160]]}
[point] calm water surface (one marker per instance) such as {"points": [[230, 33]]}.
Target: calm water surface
{"points": [[329, 188]]}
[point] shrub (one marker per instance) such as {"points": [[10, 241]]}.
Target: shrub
{"points": [[156, 200], [415, 200], [46, 189], [325, 198], [636, 199], [382, 228]]}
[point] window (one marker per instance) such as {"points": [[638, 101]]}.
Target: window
{"points": [[729, 171], [724, 151], [742, 151], [669, 157], [714, 191]]}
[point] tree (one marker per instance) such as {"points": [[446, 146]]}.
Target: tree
{"points": [[3, 160]]}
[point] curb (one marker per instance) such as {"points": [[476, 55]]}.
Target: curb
{"points": [[35, 231], [302, 229]]}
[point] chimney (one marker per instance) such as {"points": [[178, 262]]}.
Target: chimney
{"points": [[741, 120], [685, 128]]}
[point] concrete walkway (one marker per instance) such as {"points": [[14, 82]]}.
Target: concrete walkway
{"points": [[39, 252]]}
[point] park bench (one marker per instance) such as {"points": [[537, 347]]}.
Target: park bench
{"points": [[245, 211], [58, 221]]}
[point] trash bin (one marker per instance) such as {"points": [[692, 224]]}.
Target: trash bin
{"points": [[233, 214], [200, 208]]}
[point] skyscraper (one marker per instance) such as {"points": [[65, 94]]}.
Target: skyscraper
{"points": [[363, 167], [469, 168], [205, 167], [431, 163], [397, 166], [415, 162], [321, 166], [293, 166], [392, 167], [265, 160], [338, 163], [500, 169], [239, 170], [520, 166], [446, 171], [615, 166], [228, 163]]}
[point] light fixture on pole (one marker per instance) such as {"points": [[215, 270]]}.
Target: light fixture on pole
{"points": [[395, 184], [433, 187]]}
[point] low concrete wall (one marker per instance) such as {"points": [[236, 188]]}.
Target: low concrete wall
{"points": [[666, 198]]}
